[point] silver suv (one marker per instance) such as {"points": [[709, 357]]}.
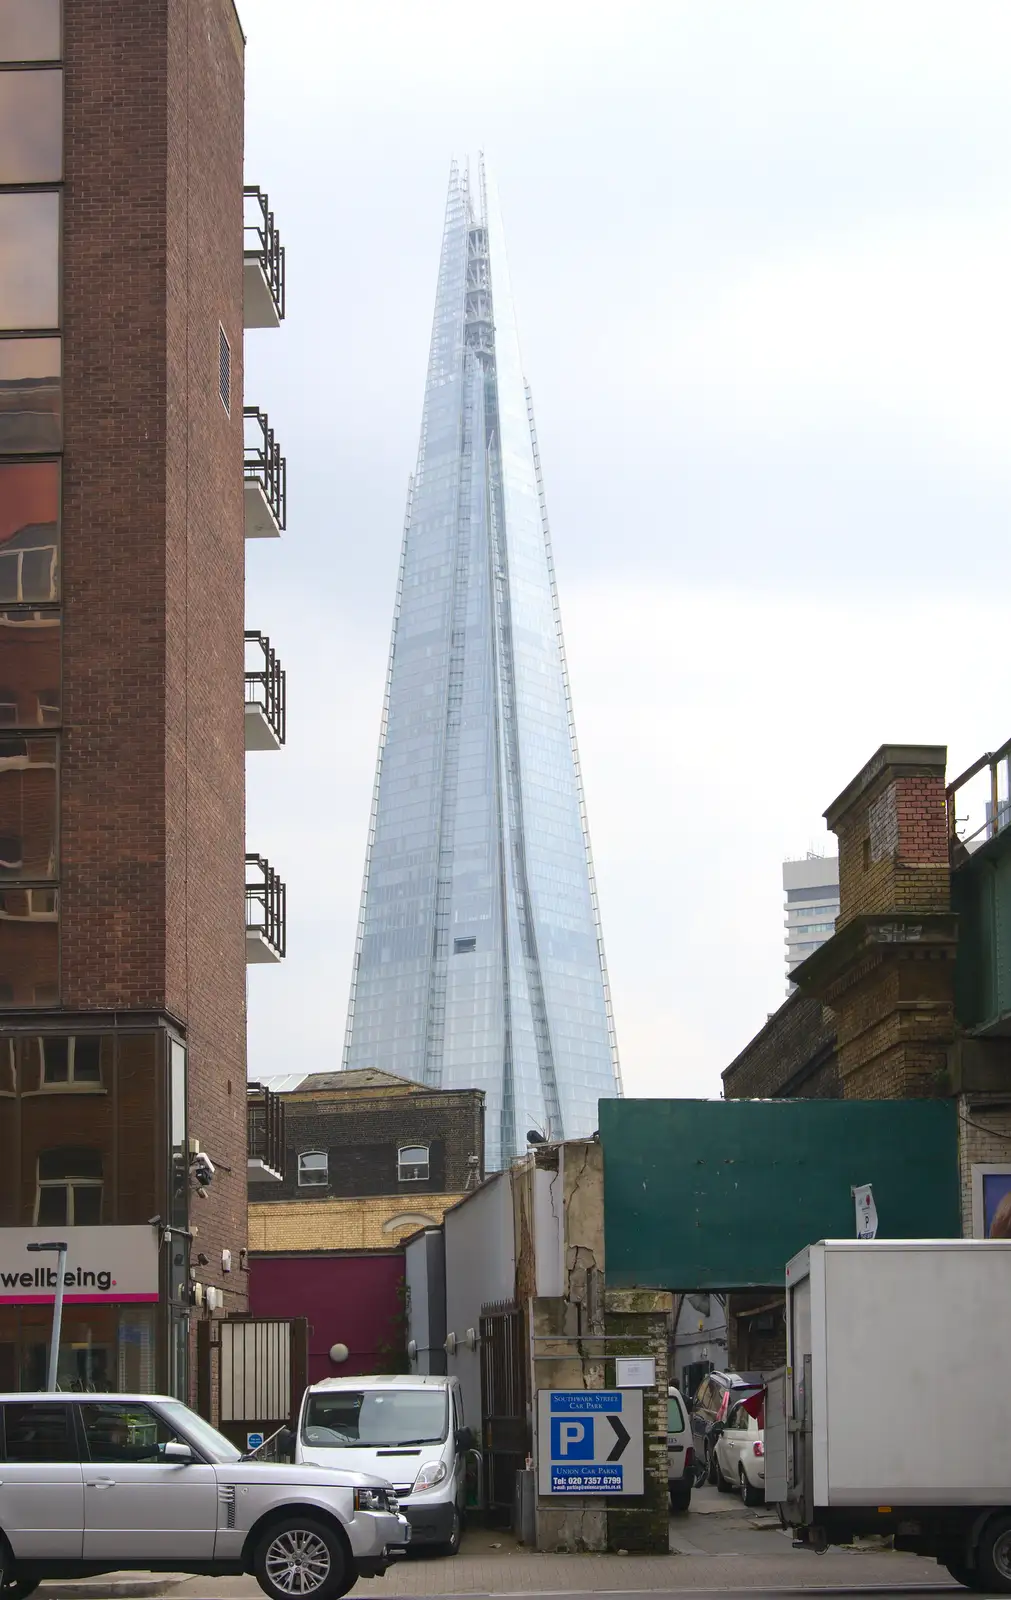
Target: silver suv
{"points": [[102, 1483]]}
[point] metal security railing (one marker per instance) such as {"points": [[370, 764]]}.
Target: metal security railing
{"points": [[979, 801], [266, 908], [265, 681], [265, 1128], [262, 240], [263, 462]]}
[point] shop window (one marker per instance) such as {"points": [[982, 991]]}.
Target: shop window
{"points": [[71, 1061], [69, 1189], [30, 263], [313, 1169], [412, 1163], [31, 399], [31, 126], [30, 30], [39, 1433]]}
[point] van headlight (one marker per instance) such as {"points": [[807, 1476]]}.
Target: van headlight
{"points": [[375, 1500], [431, 1473]]}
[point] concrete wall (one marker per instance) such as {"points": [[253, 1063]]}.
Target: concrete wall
{"points": [[480, 1270], [425, 1260]]}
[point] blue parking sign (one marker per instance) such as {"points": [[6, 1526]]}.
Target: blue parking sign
{"points": [[572, 1438]]}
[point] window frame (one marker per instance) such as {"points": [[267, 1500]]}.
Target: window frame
{"points": [[73, 1456], [70, 1184], [224, 369], [414, 1177], [71, 1084], [314, 1183]]}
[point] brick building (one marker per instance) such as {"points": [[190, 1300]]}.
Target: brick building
{"points": [[125, 285], [370, 1158]]}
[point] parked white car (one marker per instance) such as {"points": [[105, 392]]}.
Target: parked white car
{"points": [[680, 1454], [740, 1457], [105, 1483]]}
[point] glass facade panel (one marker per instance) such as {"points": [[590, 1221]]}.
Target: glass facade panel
{"points": [[29, 826], [29, 947], [30, 260], [31, 397], [29, 531], [479, 960], [30, 30], [29, 666], [31, 126]]}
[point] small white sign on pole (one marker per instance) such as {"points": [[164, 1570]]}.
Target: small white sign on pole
{"points": [[635, 1372], [867, 1211]]}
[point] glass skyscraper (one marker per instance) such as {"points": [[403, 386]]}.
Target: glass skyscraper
{"points": [[479, 961]]}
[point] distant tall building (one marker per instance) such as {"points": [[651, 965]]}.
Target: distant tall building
{"points": [[479, 961], [811, 887]]}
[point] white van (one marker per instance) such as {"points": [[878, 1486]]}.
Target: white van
{"points": [[407, 1429]]}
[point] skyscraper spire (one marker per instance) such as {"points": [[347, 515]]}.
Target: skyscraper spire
{"points": [[479, 961]]}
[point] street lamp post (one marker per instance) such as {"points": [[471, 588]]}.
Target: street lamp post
{"points": [[59, 1247]]}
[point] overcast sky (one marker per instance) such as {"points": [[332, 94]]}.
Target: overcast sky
{"points": [[761, 254]]}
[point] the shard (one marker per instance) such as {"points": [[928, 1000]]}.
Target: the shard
{"points": [[479, 961]]}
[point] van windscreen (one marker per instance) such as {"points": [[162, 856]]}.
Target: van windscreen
{"points": [[357, 1418]]}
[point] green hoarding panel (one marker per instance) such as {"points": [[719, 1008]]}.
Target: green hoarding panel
{"points": [[714, 1194]]}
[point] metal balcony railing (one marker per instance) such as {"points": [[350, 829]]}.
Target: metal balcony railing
{"points": [[266, 1133], [265, 682], [266, 910], [262, 243], [263, 462], [979, 802]]}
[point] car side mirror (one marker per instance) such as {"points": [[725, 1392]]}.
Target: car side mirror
{"points": [[178, 1452], [286, 1438], [465, 1438]]}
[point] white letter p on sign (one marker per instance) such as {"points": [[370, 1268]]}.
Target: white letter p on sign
{"points": [[570, 1433]]}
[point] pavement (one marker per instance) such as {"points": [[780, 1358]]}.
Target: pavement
{"points": [[716, 1547]]}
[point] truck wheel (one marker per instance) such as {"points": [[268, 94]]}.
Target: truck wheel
{"points": [[994, 1556], [302, 1559]]}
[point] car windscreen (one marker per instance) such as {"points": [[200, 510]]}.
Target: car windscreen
{"points": [[361, 1417], [675, 1416], [206, 1438]]}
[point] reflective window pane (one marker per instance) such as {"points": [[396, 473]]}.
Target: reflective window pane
{"points": [[29, 260], [28, 808], [29, 948], [31, 127], [29, 536], [30, 30], [31, 396]]}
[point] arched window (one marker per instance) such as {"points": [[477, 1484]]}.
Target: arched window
{"points": [[313, 1170], [412, 1163]]}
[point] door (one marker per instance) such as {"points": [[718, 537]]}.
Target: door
{"points": [[138, 1506], [41, 1484]]}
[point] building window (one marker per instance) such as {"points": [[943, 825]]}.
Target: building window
{"points": [[30, 265], [32, 390], [71, 1062], [464, 947], [412, 1163], [224, 370], [11, 854], [31, 117], [69, 1189], [313, 1169], [30, 30]]}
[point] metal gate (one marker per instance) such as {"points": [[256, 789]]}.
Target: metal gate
{"points": [[504, 1411], [251, 1374]]}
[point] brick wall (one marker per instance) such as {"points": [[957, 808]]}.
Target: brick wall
{"points": [[362, 1134], [358, 1224], [793, 1055], [153, 766], [891, 822]]}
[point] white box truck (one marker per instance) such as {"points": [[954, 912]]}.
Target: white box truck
{"points": [[893, 1414]]}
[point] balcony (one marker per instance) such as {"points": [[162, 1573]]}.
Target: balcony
{"points": [[266, 477], [265, 912], [265, 1161], [265, 691], [262, 263]]}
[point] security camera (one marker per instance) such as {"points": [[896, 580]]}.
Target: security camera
{"points": [[203, 1169]]}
